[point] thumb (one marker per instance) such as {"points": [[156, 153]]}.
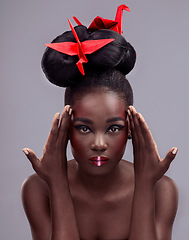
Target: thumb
{"points": [[170, 157], [31, 156]]}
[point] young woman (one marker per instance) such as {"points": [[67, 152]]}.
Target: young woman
{"points": [[97, 195]]}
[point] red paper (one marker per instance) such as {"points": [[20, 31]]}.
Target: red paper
{"points": [[101, 23], [79, 48], [91, 46], [77, 21], [69, 48], [119, 15]]}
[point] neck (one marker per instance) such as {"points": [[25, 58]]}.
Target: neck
{"points": [[100, 183]]}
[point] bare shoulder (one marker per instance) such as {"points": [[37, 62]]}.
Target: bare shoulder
{"points": [[34, 183], [33, 179], [166, 200], [168, 186], [34, 193], [35, 198]]}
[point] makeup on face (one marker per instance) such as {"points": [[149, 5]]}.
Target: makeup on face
{"points": [[98, 160], [98, 130], [85, 125]]}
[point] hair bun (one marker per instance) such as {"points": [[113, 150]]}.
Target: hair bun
{"points": [[128, 60], [118, 54], [61, 69]]}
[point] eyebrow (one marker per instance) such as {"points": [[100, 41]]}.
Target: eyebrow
{"points": [[86, 120], [114, 119]]}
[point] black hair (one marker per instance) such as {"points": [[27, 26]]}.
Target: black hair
{"points": [[106, 68], [107, 80]]}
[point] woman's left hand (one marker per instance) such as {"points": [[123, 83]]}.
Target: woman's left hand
{"points": [[148, 165], [53, 163]]}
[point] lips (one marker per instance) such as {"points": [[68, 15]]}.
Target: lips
{"points": [[98, 160]]}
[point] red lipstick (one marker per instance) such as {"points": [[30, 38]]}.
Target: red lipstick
{"points": [[98, 160]]}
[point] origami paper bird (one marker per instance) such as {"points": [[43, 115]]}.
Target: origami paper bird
{"points": [[101, 23], [79, 48]]}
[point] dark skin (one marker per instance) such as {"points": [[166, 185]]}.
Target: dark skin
{"points": [[79, 200]]}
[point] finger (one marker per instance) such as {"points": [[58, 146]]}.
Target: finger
{"points": [[31, 156], [131, 123], [53, 132], [136, 118], [148, 138], [169, 157], [64, 125], [128, 124], [137, 127]]}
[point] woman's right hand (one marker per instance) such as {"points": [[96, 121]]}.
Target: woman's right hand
{"points": [[53, 163], [149, 166]]}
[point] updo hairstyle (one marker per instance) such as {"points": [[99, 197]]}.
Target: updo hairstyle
{"points": [[106, 68]]}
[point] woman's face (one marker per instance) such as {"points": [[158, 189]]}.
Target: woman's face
{"points": [[98, 132]]}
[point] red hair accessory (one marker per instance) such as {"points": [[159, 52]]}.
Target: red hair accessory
{"points": [[101, 23], [79, 48]]}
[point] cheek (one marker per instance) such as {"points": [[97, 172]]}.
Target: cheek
{"points": [[120, 143], [75, 141], [78, 144]]}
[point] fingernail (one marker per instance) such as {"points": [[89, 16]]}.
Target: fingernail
{"points": [[25, 151], [129, 113], [58, 115], [68, 108], [70, 111], [174, 151]]}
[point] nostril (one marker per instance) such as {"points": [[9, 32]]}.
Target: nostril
{"points": [[99, 143], [96, 147]]}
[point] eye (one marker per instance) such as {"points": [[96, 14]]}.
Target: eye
{"points": [[83, 128], [115, 128]]}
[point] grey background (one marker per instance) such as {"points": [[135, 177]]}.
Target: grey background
{"points": [[159, 32]]}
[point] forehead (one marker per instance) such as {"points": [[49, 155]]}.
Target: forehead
{"points": [[102, 104]]}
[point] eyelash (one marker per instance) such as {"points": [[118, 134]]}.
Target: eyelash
{"points": [[117, 128], [82, 127], [88, 130]]}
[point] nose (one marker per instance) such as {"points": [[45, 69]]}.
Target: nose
{"points": [[99, 143]]}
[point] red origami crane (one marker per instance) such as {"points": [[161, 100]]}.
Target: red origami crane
{"points": [[79, 48], [101, 23]]}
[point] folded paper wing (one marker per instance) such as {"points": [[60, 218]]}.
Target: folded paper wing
{"points": [[79, 48], [88, 46], [69, 48]]}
